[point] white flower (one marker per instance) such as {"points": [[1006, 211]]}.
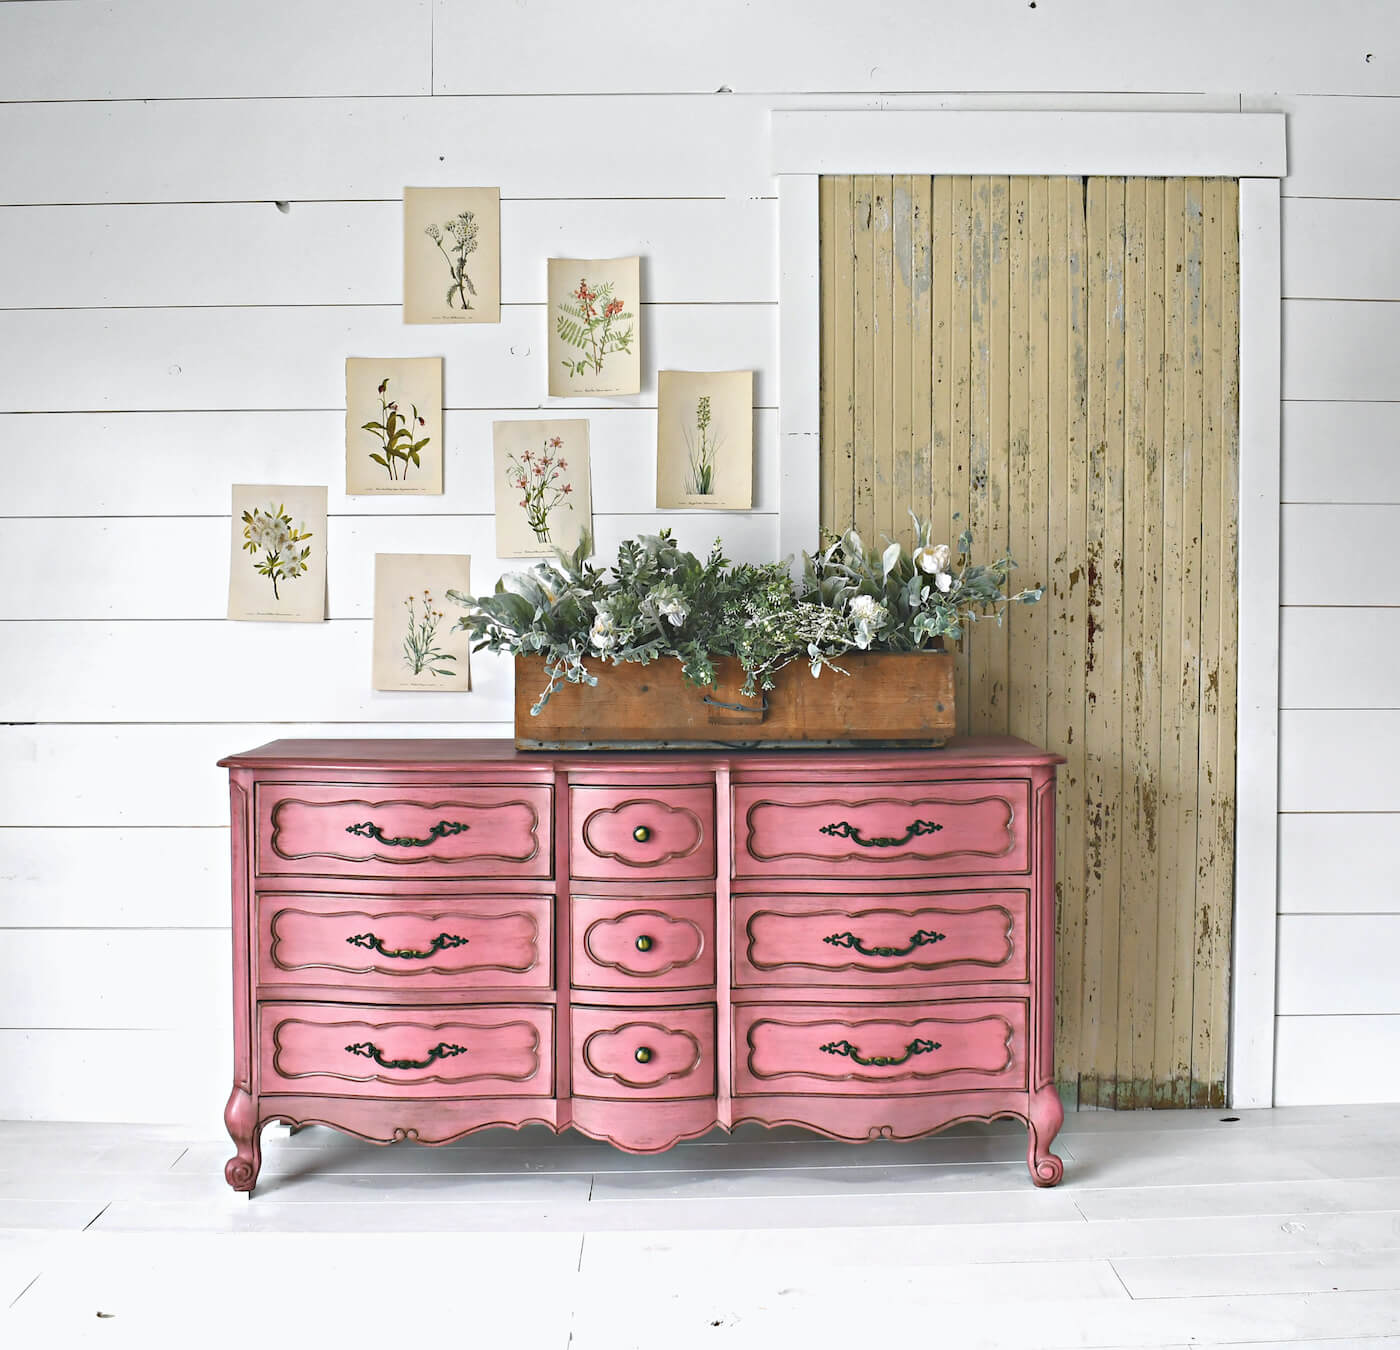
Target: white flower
{"points": [[669, 605], [603, 634], [292, 563], [868, 615], [931, 560], [944, 582]]}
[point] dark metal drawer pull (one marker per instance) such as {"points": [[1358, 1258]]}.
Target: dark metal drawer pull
{"points": [[371, 1051], [923, 938], [843, 829], [376, 944], [915, 1047], [369, 830]]}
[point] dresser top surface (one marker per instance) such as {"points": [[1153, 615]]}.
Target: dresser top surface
{"points": [[979, 752]]}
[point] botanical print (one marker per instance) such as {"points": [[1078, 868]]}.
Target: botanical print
{"points": [[543, 496], [277, 562], [704, 439], [415, 647], [594, 346], [393, 425], [451, 255]]}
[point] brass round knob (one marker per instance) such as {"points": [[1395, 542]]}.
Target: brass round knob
{"points": [[642, 833], [643, 1055], [643, 943]]}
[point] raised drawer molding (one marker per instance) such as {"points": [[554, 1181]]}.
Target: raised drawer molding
{"points": [[433, 937]]}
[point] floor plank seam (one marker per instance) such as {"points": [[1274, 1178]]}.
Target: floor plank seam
{"points": [[25, 1290], [1118, 1274]]}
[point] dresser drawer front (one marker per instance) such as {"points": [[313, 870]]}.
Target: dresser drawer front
{"points": [[500, 1051], [636, 833], [883, 941], [633, 944], [397, 832], [399, 942], [651, 1053], [881, 829], [878, 1051]]}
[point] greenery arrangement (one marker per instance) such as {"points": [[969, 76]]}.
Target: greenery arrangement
{"points": [[659, 601]]}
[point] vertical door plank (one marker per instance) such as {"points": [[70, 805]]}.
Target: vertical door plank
{"points": [[921, 393], [994, 638], [977, 511], [941, 371], [960, 419], [843, 356], [1223, 899], [1189, 668], [862, 211], [1020, 678], [1170, 804], [882, 362], [901, 433], [832, 308], [1032, 622]]}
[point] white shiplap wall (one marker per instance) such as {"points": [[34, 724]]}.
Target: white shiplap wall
{"points": [[165, 331]]}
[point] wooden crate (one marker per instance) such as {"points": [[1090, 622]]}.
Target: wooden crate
{"points": [[886, 699]]}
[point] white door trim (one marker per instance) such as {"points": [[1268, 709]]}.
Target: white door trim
{"points": [[1247, 146]]}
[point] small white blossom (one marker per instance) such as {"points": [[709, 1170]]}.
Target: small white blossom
{"points": [[868, 615], [603, 634], [944, 582], [670, 605], [932, 560]]}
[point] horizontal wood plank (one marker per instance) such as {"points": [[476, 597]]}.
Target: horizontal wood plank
{"points": [[258, 48], [1330, 964], [1339, 658], [138, 776], [237, 358], [114, 878], [1337, 1059], [351, 253], [1341, 452], [85, 469], [1337, 147], [1340, 249], [69, 568], [1339, 760], [1339, 349], [1338, 555], [1331, 863]]}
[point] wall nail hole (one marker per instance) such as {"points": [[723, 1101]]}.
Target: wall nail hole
{"points": [[283, 207], [1368, 58]]}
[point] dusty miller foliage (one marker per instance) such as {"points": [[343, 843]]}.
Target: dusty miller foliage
{"points": [[658, 601]]}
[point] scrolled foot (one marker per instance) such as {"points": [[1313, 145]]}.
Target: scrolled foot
{"points": [[241, 1118], [1043, 1122]]}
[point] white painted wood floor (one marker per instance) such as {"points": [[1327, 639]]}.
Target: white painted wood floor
{"points": [[1170, 1229]]}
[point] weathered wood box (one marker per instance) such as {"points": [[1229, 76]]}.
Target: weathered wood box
{"points": [[886, 699]]}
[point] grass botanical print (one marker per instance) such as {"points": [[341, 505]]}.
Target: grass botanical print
{"points": [[394, 433], [462, 234], [701, 451], [270, 532], [538, 475], [420, 650], [591, 320]]}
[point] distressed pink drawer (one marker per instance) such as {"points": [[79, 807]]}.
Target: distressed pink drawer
{"points": [[885, 941], [398, 942], [881, 830], [630, 833], [383, 832], [875, 1051], [631, 944], [659, 1052], [500, 1051]]}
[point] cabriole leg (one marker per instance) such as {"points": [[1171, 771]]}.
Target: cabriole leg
{"points": [[1047, 1114], [241, 1117]]}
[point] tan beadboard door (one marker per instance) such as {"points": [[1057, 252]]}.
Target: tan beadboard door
{"points": [[1055, 362]]}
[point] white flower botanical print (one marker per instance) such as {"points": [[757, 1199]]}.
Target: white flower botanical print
{"points": [[270, 532]]}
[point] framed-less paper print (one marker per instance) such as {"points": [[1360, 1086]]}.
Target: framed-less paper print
{"points": [[417, 645], [451, 255], [543, 496], [704, 439], [594, 309], [393, 425], [277, 563]]}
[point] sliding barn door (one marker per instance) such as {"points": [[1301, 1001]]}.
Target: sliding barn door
{"points": [[1053, 362]]}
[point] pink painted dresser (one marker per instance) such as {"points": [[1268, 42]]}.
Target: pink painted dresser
{"points": [[432, 936]]}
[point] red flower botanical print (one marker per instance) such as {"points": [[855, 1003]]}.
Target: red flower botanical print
{"points": [[539, 477], [597, 334]]}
